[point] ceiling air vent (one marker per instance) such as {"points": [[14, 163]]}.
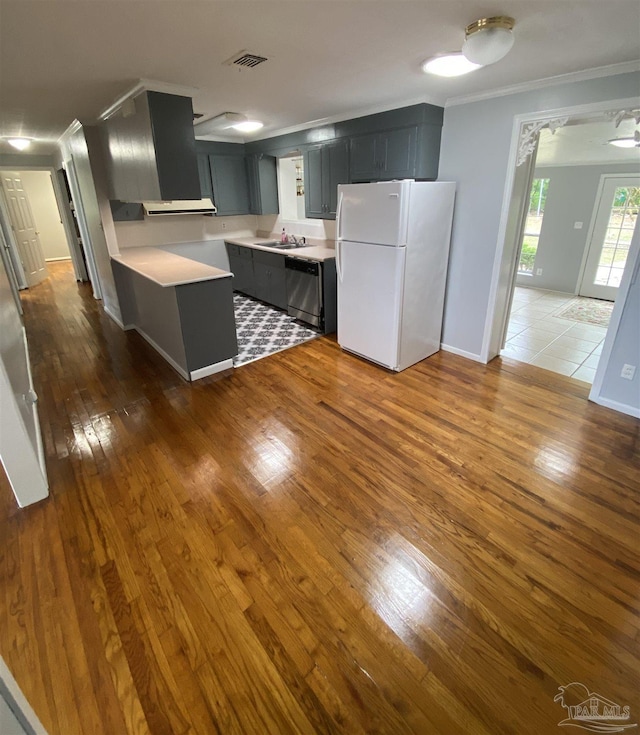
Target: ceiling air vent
{"points": [[245, 60]]}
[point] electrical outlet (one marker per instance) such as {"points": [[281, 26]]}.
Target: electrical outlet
{"points": [[628, 371], [224, 225], [577, 225], [538, 271]]}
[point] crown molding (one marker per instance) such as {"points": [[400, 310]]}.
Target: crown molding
{"points": [[574, 76], [147, 85], [73, 128], [353, 114]]}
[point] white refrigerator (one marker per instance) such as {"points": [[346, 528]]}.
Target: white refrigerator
{"points": [[392, 250]]}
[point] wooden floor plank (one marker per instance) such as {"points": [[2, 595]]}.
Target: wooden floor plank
{"points": [[312, 544]]}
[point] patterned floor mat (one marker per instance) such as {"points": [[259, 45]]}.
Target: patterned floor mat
{"points": [[263, 330], [589, 311]]}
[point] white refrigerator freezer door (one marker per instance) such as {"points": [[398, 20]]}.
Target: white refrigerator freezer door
{"points": [[369, 299], [374, 213]]}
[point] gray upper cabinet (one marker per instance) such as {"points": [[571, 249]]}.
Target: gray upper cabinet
{"points": [[383, 156], [150, 149], [230, 185], [325, 166], [204, 173], [263, 184]]}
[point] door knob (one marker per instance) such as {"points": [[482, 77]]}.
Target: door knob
{"points": [[30, 398]]}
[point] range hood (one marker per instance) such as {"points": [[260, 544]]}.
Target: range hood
{"points": [[179, 206]]}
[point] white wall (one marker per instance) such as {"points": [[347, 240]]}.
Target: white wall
{"points": [[39, 189], [571, 198], [623, 343], [89, 167], [476, 139], [179, 228]]}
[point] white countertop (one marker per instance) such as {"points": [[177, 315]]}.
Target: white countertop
{"points": [[167, 269], [320, 252]]}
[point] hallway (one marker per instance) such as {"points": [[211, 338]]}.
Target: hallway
{"points": [[312, 544]]}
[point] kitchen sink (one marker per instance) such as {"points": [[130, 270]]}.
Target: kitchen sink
{"points": [[282, 245]]}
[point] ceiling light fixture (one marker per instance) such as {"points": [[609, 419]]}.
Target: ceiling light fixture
{"points": [[20, 143], [227, 121], [449, 65], [248, 126], [488, 40], [629, 142]]}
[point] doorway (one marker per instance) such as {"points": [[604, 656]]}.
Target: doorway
{"points": [[41, 230], [550, 323]]}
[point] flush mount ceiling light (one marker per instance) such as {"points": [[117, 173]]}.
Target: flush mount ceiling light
{"points": [[488, 40], [20, 143], [227, 121], [449, 65], [633, 142], [249, 126]]}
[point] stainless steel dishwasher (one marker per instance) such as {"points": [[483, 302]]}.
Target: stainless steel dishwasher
{"points": [[304, 290]]}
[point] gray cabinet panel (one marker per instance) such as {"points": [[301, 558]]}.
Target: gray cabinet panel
{"points": [[204, 174], [241, 265], [263, 184], [313, 194], [338, 160], [325, 167], [208, 322], [150, 149], [383, 156], [230, 186], [173, 139], [399, 153], [363, 161]]}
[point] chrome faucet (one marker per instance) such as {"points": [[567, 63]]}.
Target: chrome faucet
{"points": [[297, 240]]}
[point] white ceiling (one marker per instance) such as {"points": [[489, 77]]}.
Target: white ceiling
{"points": [[586, 142], [61, 60]]}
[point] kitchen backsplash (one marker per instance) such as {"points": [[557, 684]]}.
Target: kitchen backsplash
{"points": [[177, 228]]}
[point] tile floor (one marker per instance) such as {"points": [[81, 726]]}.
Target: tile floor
{"points": [[537, 336], [263, 330]]}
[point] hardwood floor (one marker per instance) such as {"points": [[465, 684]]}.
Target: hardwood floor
{"points": [[314, 545]]}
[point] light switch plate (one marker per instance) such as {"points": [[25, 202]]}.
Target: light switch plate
{"points": [[577, 225]]}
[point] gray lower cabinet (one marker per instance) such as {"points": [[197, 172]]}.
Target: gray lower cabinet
{"points": [[325, 166], [384, 156], [259, 274], [270, 278], [241, 265]]}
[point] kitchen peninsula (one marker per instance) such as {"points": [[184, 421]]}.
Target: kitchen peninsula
{"points": [[182, 307]]}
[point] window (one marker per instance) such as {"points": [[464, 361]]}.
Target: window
{"points": [[291, 188], [533, 225]]}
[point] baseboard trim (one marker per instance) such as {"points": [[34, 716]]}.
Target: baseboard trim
{"points": [[217, 367], [113, 316], [616, 406], [180, 370], [55, 260], [462, 353]]}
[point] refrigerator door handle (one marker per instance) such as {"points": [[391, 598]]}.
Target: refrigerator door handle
{"points": [[339, 259], [338, 218]]}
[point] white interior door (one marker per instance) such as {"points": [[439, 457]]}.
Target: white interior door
{"points": [[24, 228], [21, 448], [616, 217]]}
